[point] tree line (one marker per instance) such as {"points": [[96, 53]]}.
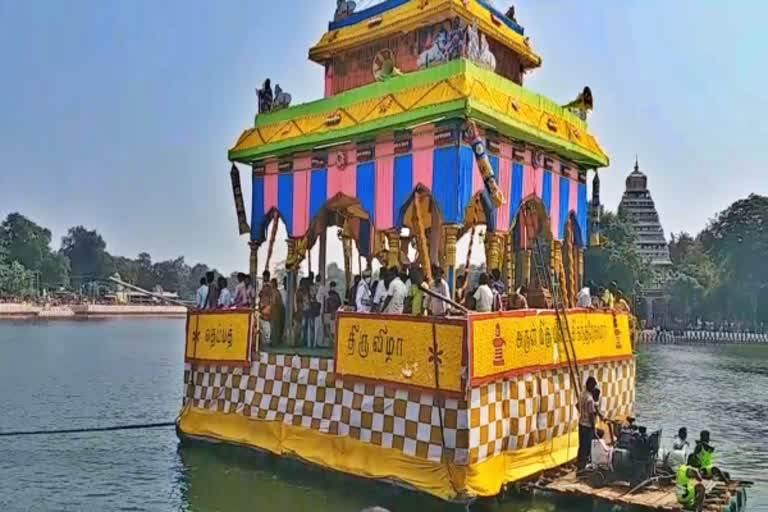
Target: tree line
{"points": [[28, 264], [717, 275]]}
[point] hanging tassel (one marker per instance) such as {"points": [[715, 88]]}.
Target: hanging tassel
{"points": [[237, 192]]}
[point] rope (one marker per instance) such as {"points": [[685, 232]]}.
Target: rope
{"points": [[140, 426], [441, 408]]}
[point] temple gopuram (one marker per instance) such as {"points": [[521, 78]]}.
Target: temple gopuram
{"points": [[425, 134], [638, 207]]}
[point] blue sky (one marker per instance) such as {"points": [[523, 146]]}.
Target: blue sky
{"points": [[117, 115]]}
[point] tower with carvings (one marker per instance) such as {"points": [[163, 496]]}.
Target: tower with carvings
{"points": [[638, 207]]}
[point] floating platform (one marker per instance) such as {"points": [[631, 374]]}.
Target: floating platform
{"points": [[660, 496]]}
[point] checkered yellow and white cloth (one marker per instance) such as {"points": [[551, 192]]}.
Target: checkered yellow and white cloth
{"points": [[507, 415]]}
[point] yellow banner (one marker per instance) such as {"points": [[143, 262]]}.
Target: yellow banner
{"points": [[399, 349], [218, 336], [510, 342]]}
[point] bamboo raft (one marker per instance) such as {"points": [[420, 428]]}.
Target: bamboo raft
{"points": [[659, 496]]}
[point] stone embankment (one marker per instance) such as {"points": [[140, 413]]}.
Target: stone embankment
{"points": [[696, 337], [87, 311]]}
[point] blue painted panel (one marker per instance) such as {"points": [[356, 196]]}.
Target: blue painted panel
{"points": [[402, 186], [318, 191], [516, 197], [445, 182], [546, 192], [565, 196], [257, 209], [285, 200], [582, 212], [366, 187]]}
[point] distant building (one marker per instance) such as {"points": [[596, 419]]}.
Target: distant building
{"points": [[638, 208]]}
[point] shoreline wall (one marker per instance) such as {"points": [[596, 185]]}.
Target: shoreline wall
{"points": [[14, 311]]}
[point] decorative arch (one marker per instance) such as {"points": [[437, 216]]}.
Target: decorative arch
{"points": [[571, 252], [259, 228], [480, 210], [422, 207], [347, 213]]}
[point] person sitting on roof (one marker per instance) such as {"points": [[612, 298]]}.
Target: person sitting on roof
{"points": [[703, 458]]}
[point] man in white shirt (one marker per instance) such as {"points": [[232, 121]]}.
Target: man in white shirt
{"points": [[435, 306], [380, 293], [363, 296], [202, 294], [483, 296], [225, 296], [584, 297], [396, 294]]}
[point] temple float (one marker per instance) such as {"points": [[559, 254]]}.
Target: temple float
{"points": [[425, 134]]}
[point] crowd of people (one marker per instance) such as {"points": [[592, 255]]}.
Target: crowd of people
{"points": [[396, 291]]}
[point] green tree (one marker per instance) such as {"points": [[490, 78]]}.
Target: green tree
{"points": [[15, 279], [54, 271], [25, 241], [146, 277], [679, 246], [737, 242], [127, 268], [172, 275], [617, 259], [87, 253]]}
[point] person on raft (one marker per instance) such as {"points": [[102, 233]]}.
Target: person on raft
{"points": [[703, 458], [678, 455], [690, 494], [587, 416]]}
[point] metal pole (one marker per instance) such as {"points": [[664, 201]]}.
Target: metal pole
{"points": [[148, 293]]}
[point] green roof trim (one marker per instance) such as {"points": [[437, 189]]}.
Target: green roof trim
{"points": [[458, 108]]}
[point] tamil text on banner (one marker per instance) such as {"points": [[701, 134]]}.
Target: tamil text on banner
{"points": [[399, 349], [219, 336], [505, 344]]}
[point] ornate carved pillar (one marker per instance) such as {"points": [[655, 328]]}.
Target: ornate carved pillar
{"points": [[580, 266], [510, 262], [450, 235], [292, 261], [323, 254], [493, 250], [253, 267], [526, 279], [393, 255]]}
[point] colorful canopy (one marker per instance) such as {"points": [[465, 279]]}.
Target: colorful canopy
{"points": [[383, 176], [452, 90]]}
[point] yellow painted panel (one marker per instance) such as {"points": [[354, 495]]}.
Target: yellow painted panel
{"points": [[398, 349], [218, 336], [507, 343]]}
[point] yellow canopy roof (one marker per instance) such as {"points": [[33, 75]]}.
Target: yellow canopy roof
{"points": [[415, 14]]}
